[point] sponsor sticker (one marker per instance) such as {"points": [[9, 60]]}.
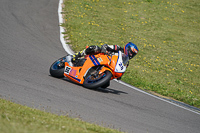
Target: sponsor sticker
{"points": [[99, 59]]}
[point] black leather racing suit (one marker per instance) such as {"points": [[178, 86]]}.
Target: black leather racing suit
{"points": [[91, 50]]}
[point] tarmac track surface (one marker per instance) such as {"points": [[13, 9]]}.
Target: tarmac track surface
{"points": [[29, 36]]}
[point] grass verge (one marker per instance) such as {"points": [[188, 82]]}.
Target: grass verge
{"points": [[15, 118], [166, 32]]}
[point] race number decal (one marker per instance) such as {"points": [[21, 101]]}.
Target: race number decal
{"points": [[67, 70]]}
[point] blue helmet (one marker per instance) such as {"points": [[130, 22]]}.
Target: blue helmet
{"points": [[130, 49]]}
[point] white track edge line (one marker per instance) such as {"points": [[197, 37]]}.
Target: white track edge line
{"points": [[160, 98], [69, 51], [64, 44]]}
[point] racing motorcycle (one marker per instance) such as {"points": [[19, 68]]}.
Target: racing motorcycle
{"points": [[92, 71]]}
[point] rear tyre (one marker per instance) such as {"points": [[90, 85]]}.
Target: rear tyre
{"points": [[93, 82], [56, 70]]}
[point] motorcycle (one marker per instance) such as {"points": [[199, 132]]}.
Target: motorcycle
{"points": [[91, 71]]}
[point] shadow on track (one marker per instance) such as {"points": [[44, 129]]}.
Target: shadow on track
{"points": [[109, 90], [103, 90]]}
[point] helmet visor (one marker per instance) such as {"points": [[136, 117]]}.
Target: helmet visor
{"points": [[131, 54]]}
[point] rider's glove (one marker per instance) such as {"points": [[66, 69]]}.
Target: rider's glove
{"points": [[104, 49]]}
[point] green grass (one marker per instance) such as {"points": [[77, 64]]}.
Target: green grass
{"points": [[166, 32], [15, 118]]}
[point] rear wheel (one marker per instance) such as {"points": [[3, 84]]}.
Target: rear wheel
{"points": [[95, 81], [57, 68]]}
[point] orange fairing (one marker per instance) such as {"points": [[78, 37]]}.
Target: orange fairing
{"points": [[72, 72], [113, 62], [111, 67], [105, 63], [76, 74]]}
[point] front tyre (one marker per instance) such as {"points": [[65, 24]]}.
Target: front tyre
{"points": [[93, 82], [56, 70]]}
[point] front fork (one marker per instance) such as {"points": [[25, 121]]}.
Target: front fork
{"points": [[97, 71]]}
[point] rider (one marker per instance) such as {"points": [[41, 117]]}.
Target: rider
{"points": [[130, 49]]}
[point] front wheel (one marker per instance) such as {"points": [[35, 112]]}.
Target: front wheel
{"points": [[99, 80], [57, 70]]}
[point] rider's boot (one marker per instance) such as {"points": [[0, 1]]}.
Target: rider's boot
{"points": [[78, 55]]}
